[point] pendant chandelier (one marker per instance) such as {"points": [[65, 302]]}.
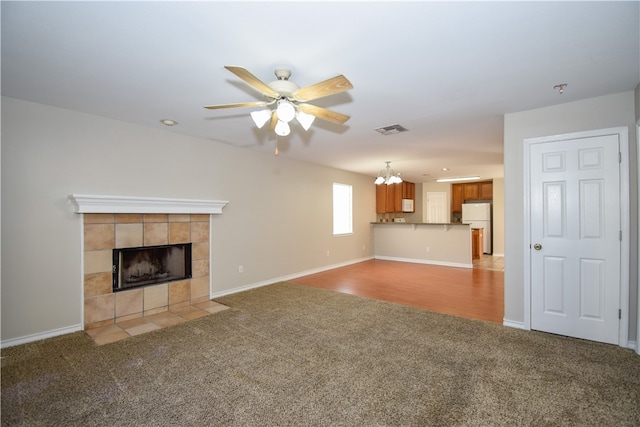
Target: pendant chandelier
{"points": [[388, 176]]}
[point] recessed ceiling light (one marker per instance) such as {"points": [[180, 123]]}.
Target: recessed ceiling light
{"points": [[444, 169], [168, 122]]}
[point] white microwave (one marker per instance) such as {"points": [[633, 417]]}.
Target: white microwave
{"points": [[407, 205]]}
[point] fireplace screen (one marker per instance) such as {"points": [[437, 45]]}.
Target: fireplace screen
{"points": [[134, 267]]}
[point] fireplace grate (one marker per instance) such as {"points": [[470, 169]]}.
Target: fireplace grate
{"points": [[150, 265]]}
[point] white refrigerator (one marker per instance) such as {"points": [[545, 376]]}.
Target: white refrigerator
{"points": [[478, 215]]}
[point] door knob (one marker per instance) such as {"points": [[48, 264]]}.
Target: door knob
{"points": [[537, 246]]}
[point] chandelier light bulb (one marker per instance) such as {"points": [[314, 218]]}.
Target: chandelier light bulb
{"points": [[388, 176]]}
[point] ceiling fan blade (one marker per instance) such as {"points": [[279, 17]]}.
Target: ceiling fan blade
{"points": [[323, 113], [241, 104], [332, 86], [274, 121], [255, 82]]}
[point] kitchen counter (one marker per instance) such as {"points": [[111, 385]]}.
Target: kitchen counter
{"points": [[421, 223], [424, 242]]}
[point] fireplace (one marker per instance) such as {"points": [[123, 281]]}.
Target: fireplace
{"points": [[116, 222], [149, 265]]}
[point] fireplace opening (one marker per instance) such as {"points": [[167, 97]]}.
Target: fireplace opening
{"points": [[150, 265]]}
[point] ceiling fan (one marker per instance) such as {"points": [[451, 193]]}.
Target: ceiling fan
{"points": [[290, 100]]}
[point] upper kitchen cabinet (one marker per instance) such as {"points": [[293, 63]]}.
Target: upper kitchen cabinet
{"points": [[485, 190], [470, 191], [389, 197], [457, 197]]}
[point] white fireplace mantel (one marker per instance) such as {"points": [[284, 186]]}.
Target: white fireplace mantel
{"points": [[84, 203]]}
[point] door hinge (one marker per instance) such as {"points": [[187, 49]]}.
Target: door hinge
{"points": [[619, 313], [619, 157], [620, 235]]}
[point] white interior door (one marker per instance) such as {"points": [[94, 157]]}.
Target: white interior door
{"points": [[437, 207], [575, 231]]}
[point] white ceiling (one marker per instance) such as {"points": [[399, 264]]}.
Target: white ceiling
{"points": [[446, 71]]}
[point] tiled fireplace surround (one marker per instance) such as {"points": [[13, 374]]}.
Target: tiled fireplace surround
{"points": [[109, 224], [104, 232]]}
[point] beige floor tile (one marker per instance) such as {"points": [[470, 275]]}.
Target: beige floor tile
{"points": [[179, 313], [102, 330], [165, 319], [211, 306], [109, 338], [131, 323], [142, 329], [190, 312], [107, 334], [194, 315]]}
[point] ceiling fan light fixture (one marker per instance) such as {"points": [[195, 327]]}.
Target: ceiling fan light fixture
{"points": [[305, 119], [285, 111], [282, 128], [261, 117]]}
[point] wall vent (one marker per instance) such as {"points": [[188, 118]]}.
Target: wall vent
{"points": [[391, 129]]}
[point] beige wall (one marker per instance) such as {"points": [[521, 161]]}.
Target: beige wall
{"points": [[278, 222], [596, 113], [424, 243], [498, 216]]}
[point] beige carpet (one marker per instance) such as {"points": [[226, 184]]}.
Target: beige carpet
{"points": [[289, 355]]}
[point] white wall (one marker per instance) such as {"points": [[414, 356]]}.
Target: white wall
{"points": [[278, 221], [596, 113]]}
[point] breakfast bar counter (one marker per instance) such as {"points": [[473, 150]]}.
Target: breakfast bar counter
{"points": [[446, 244]]}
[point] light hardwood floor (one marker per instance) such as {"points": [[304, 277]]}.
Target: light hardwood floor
{"points": [[473, 293]]}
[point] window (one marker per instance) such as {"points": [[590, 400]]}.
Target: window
{"points": [[342, 209]]}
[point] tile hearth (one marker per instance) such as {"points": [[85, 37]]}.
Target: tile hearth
{"points": [[174, 316]]}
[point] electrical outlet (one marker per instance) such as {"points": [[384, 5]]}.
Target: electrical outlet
{"points": [[241, 269], [364, 248], [428, 249], [328, 253]]}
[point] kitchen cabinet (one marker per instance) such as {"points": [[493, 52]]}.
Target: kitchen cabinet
{"points": [[477, 243], [389, 197], [457, 198], [469, 191], [404, 190], [485, 190]]}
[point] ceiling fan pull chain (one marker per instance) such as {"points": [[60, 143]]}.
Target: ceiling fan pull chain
{"points": [[276, 150]]}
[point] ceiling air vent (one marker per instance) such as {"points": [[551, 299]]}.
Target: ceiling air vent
{"points": [[391, 129]]}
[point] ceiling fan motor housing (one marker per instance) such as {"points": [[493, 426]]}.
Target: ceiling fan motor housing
{"points": [[284, 87]]}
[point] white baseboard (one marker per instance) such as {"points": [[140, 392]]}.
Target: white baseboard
{"points": [[424, 261], [285, 278], [514, 324], [40, 336]]}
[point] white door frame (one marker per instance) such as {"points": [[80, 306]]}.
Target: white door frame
{"points": [[638, 306], [623, 137]]}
